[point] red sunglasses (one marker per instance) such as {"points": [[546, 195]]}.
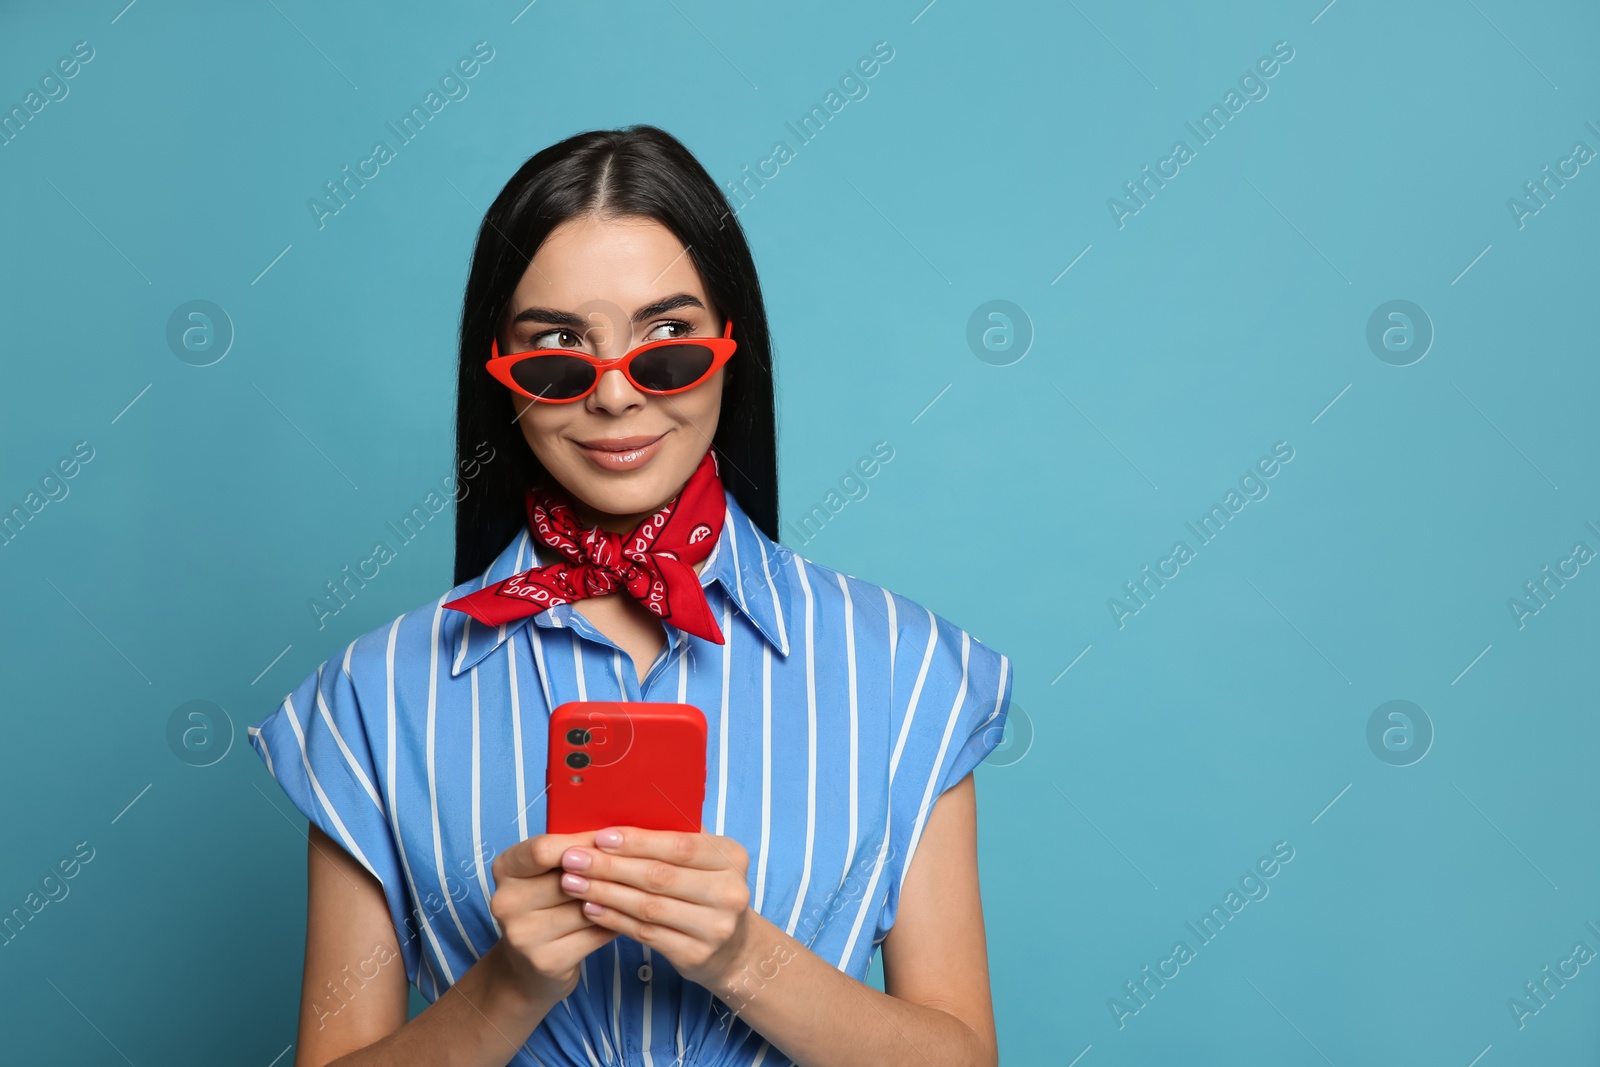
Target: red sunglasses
{"points": [[560, 375]]}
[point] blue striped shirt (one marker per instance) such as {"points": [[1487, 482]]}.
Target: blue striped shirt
{"points": [[837, 712]]}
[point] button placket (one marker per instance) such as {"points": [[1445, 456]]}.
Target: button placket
{"points": [[664, 662], [645, 971], [584, 629]]}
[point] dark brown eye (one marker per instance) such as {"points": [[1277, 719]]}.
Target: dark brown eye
{"points": [[677, 327], [558, 338]]}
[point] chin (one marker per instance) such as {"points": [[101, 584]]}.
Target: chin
{"points": [[638, 496], [628, 492]]}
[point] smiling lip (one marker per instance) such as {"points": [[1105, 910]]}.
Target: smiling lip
{"points": [[621, 453], [621, 444]]}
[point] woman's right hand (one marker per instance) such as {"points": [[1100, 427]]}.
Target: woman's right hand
{"points": [[545, 934]]}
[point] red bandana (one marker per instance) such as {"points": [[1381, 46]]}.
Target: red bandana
{"points": [[653, 561]]}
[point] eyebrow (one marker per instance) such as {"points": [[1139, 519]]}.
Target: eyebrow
{"points": [[574, 321]]}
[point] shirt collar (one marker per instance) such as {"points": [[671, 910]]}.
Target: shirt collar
{"points": [[751, 569]]}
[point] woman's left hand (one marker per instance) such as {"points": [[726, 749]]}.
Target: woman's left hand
{"points": [[683, 894]]}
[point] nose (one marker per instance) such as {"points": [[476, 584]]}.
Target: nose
{"points": [[614, 394]]}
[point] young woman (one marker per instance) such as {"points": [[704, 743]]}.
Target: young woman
{"points": [[616, 539]]}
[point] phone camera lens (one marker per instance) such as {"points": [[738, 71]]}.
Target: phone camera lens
{"points": [[577, 760], [578, 736]]}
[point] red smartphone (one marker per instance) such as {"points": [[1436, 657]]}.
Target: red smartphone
{"points": [[625, 763]]}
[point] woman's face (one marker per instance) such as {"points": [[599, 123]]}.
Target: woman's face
{"points": [[606, 286]]}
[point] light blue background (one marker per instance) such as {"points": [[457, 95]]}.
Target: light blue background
{"points": [[1229, 314]]}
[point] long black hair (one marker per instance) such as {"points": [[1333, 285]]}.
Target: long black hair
{"points": [[638, 171]]}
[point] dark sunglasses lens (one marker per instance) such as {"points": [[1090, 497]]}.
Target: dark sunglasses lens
{"points": [[672, 366], [553, 377]]}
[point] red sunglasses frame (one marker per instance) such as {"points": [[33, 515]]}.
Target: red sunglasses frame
{"points": [[722, 348]]}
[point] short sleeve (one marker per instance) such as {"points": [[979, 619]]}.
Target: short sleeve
{"points": [[952, 694], [319, 748]]}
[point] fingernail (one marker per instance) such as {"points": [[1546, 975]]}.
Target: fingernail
{"points": [[575, 859], [591, 908], [574, 884], [608, 838]]}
